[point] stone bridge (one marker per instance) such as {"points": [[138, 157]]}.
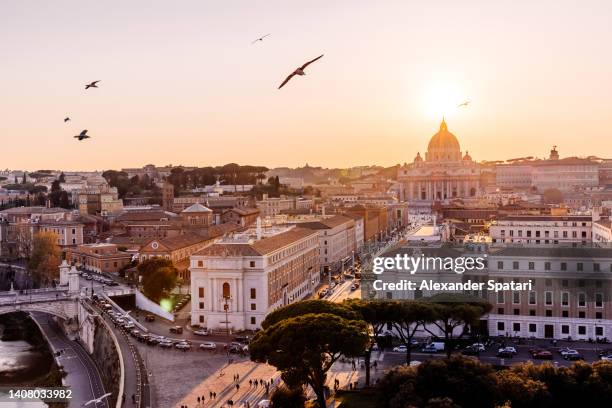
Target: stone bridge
{"points": [[57, 303]]}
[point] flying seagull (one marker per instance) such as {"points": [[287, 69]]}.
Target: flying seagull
{"points": [[299, 71], [98, 400], [92, 85], [259, 39], [466, 103], [66, 119], [82, 135]]}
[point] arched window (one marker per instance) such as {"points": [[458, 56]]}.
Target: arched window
{"points": [[472, 192], [226, 290]]}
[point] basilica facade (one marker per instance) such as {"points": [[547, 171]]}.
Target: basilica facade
{"points": [[444, 173]]}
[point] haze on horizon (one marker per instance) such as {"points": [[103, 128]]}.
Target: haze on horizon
{"points": [[182, 84]]}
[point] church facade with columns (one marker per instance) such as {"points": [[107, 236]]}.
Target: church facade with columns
{"points": [[444, 173]]}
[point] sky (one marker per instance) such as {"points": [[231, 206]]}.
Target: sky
{"points": [[181, 83]]}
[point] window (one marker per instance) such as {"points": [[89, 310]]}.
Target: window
{"points": [[565, 283], [500, 297], [516, 297], [531, 266], [598, 331], [579, 266], [547, 266], [532, 297], [599, 300], [532, 312], [200, 264], [201, 305], [253, 320], [515, 265], [201, 319], [516, 327], [581, 315], [500, 310], [548, 313], [582, 330], [548, 298], [596, 267], [598, 315], [201, 292], [532, 327], [252, 264], [226, 290], [253, 293], [564, 329], [581, 299], [500, 264], [564, 266], [253, 306], [565, 299], [501, 326], [516, 312], [565, 313]]}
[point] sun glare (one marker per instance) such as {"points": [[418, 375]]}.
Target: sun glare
{"points": [[442, 99]]}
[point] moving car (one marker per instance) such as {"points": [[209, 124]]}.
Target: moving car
{"points": [[573, 355], [508, 349], [400, 349], [176, 329], [542, 355], [150, 317], [166, 343], [565, 350], [183, 346], [470, 351], [433, 347], [606, 358], [208, 345]]}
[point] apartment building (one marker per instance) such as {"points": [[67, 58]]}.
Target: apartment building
{"points": [[570, 296], [542, 229], [100, 258]]}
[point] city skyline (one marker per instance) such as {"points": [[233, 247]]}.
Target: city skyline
{"points": [[187, 86]]}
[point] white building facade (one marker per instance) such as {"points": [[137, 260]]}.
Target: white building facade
{"points": [[236, 283]]}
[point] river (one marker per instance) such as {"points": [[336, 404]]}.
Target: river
{"points": [[22, 363]]}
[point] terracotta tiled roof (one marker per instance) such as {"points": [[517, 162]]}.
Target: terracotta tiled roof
{"points": [[326, 223]]}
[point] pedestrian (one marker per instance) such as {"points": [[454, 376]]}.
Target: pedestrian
{"points": [[214, 395], [198, 400], [202, 399], [237, 387], [250, 383], [133, 399], [237, 377], [210, 395]]}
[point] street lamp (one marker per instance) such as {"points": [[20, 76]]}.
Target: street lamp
{"points": [[226, 299]]}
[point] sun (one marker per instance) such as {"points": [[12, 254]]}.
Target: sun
{"points": [[442, 99]]}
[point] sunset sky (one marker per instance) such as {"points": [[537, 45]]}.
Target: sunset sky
{"points": [[182, 84]]}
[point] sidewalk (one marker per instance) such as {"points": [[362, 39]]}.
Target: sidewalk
{"points": [[222, 382]]}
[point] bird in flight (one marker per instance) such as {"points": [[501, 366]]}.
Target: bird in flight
{"points": [[82, 135], [66, 119], [98, 400], [466, 103], [92, 85], [259, 39], [299, 71]]}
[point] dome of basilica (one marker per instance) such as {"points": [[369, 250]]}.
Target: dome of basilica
{"points": [[443, 146]]}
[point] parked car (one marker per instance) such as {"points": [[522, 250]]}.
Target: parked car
{"points": [[606, 358], [201, 332], [150, 317], [128, 325], [208, 345], [166, 343], [400, 349], [242, 339], [176, 329], [480, 346], [573, 357]]}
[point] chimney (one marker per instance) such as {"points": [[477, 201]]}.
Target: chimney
{"points": [[258, 228]]}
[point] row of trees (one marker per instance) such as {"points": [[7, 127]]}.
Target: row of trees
{"points": [[231, 173], [303, 340], [467, 382]]}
